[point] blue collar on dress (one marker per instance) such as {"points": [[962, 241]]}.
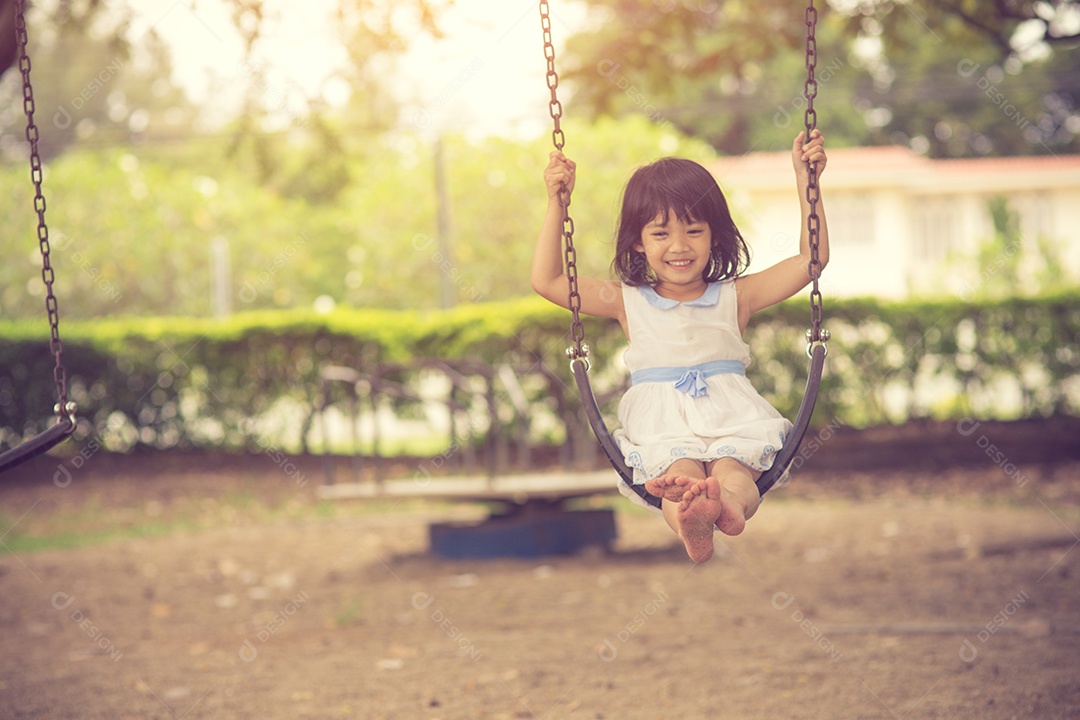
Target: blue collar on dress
{"points": [[707, 299]]}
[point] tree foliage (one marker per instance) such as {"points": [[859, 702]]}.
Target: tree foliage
{"points": [[135, 234], [954, 83], [928, 73], [716, 71], [90, 83], [1010, 26], [186, 382], [98, 83], [373, 33], [1009, 263]]}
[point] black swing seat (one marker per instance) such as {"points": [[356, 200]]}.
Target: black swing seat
{"points": [[39, 444], [769, 478]]}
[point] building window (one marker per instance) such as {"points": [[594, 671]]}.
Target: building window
{"points": [[936, 229], [1036, 214], [851, 218]]}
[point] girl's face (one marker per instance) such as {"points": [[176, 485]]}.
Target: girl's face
{"points": [[678, 253]]}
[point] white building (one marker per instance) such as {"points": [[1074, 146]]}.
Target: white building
{"points": [[898, 220]]}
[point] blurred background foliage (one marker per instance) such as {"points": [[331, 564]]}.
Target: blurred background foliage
{"points": [[151, 202], [261, 378], [888, 72], [316, 220], [159, 205], [139, 237]]}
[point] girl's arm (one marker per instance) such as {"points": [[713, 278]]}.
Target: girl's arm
{"points": [[779, 282], [598, 297]]}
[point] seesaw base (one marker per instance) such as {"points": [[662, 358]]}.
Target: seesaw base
{"points": [[554, 531]]}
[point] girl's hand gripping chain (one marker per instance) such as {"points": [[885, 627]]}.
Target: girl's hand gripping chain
{"points": [[559, 177], [812, 151]]}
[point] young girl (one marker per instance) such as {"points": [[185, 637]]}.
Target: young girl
{"points": [[694, 430]]}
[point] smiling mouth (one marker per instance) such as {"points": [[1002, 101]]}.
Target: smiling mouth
{"points": [[680, 263]]}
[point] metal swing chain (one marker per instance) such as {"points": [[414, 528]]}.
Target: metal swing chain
{"points": [[558, 139], [813, 223], [63, 408]]}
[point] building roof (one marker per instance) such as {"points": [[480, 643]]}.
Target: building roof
{"points": [[897, 166]]}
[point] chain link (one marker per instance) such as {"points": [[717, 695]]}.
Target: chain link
{"points": [[813, 193], [558, 139], [55, 346]]}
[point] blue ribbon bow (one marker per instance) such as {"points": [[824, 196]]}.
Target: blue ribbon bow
{"points": [[690, 380], [693, 384]]}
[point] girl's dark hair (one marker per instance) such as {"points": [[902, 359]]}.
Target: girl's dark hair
{"points": [[688, 189]]}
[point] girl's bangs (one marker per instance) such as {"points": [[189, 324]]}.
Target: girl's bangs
{"points": [[663, 203]]}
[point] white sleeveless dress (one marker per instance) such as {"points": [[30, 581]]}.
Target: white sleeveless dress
{"points": [[689, 396]]}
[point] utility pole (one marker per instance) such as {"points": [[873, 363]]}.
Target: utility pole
{"points": [[445, 259], [221, 276]]}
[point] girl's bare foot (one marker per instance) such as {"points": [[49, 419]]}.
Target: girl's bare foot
{"points": [[669, 487], [731, 519], [698, 512]]}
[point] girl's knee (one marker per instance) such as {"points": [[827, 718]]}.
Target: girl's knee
{"points": [[687, 467], [729, 467]]}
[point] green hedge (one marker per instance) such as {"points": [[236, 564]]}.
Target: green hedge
{"points": [[182, 382]]}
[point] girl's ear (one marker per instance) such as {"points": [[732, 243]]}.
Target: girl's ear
{"points": [[638, 246]]}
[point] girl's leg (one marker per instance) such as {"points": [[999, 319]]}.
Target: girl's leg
{"points": [[738, 494], [693, 514], [676, 480]]}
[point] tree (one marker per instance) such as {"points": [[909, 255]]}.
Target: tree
{"points": [[719, 72], [1010, 26], [91, 84], [134, 235], [373, 33], [9, 50], [888, 73], [1008, 263], [947, 85], [92, 80]]}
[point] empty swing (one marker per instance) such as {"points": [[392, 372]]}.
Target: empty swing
{"points": [[64, 409], [816, 337]]}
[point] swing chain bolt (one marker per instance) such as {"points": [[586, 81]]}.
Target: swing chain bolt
{"points": [[572, 352], [823, 338], [576, 358]]}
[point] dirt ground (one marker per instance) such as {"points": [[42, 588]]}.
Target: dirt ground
{"points": [[920, 572]]}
